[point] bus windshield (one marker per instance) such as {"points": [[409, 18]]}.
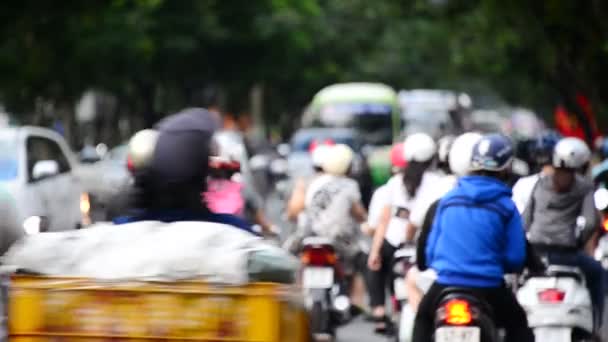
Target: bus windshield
{"points": [[372, 121]]}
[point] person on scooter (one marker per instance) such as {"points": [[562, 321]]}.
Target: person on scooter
{"points": [[296, 204], [380, 198], [403, 191], [227, 193], [553, 216], [542, 152], [334, 210], [477, 236], [170, 167], [419, 278], [459, 158]]}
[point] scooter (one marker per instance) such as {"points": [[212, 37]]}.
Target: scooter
{"points": [[403, 260], [463, 317], [558, 305], [325, 288]]}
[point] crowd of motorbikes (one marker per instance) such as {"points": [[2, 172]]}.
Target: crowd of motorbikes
{"points": [[556, 301]]}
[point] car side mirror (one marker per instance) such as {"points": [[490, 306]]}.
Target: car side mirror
{"points": [[45, 169]]}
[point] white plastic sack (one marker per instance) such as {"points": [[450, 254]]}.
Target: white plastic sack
{"points": [[143, 250]]}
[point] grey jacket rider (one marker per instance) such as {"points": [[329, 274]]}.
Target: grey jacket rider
{"points": [[551, 217]]}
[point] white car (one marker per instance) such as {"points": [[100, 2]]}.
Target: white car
{"points": [[38, 176]]}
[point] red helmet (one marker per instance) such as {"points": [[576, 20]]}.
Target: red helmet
{"points": [[398, 156]]}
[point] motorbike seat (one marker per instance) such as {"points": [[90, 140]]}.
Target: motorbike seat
{"points": [[562, 271]]}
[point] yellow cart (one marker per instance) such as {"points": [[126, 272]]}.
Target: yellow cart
{"points": [[69, 309]]}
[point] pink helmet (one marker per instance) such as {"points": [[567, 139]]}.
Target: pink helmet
{"points": [[398, 156]]}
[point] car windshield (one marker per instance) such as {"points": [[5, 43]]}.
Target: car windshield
{"points": [[301, 141], [372, 121], [8, 159]]}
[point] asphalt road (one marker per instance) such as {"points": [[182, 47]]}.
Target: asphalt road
{"points": [[359, 331]]}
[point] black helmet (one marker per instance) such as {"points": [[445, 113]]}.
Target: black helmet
{"points": [[177, 172]]}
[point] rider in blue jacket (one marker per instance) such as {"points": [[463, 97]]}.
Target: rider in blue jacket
{"points": [[476, 238]]}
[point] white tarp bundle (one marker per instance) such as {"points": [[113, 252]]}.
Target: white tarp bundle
{"points": [[149, 251]]}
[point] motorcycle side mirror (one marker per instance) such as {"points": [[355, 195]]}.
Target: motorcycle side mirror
{"points": [[283, 150], [600, 198]]}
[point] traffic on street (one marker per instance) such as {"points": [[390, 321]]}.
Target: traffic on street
{"points": [[303, 171]]}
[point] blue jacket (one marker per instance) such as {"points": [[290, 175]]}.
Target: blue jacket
{"points": [[477, 235]]}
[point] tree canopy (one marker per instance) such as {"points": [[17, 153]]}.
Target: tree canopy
{"points": [[153, 55]]}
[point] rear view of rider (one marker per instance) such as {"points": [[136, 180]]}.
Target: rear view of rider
{"points": [[542, 153], [296, 204], [334, 210], [380, 198], [227, 193], [170, 167], [333, 203], [553, 216], [403, 190], [477, 236]]}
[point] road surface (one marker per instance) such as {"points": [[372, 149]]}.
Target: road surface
{"points": [[359, 331]]}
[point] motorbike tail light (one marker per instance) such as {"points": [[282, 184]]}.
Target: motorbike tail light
{"points": [[458, 312], [318, 257], [551, 295], [605, 224]]}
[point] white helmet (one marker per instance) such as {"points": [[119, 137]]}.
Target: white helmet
{"points": [[141, 148], [319, 154], [419, 147], [338, 160], [571, 153], [462, 152]]}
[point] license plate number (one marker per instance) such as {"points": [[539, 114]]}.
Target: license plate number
{"points": [[399, 287], [458, 334], [318, 277]]}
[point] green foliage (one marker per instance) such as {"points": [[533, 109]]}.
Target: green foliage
{"points": [[154, 53]]}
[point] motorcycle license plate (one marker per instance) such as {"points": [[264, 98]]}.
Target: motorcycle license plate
{"points": [[318, 277], [399, 287], [458, 334]]}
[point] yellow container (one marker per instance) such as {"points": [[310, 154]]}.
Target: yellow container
{"points": [[70, 309]]}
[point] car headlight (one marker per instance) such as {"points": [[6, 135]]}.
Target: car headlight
{"points": [[34, 225], [85, 204]]}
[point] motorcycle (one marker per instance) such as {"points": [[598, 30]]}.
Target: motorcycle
{"points": [[558, 305], [403, 260], [463, 317], [325, 288]]}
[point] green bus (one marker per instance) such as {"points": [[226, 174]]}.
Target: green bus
{"points": [[371, 109]]}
